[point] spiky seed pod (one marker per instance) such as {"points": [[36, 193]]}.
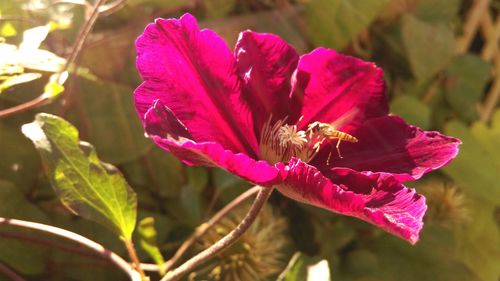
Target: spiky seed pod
{"points": [[258, 254], [447, 205]]}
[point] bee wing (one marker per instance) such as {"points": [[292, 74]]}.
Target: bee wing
{"points": [[344, 118]]}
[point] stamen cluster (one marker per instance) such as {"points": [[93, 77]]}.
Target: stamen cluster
{"points": [[280, 142]]}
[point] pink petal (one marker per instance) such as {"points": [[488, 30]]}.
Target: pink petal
{"points": [[193, 72], [168, 133], [330, 87], [213, 154], [265, 64], [387, 144], [376, 198], [161, 121]]}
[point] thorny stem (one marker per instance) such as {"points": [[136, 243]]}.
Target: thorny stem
{"points": [[135, 260], [96, 247], [228, 240], [11, 274], [75, 51], [203, 228]]}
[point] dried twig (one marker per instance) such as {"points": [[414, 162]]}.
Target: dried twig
{"points": [[480, 7]]}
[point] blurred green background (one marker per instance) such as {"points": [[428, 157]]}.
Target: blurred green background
{"points": [[442, 65]]}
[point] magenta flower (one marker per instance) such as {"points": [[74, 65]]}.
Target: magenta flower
{"points": [[250, 113]]}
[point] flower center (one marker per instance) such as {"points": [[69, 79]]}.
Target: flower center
{"points": [[280, 142]]}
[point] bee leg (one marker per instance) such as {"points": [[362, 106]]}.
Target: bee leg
{"points": [[328, 159], [338, 148]]}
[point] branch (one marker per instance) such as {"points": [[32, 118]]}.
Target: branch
{"points": [[228, 240], [202, 229], [135, 259], [104, 10], [76, 49], [96, 247], [7, 271], [478, 10], [491, 52], [491, 101]]}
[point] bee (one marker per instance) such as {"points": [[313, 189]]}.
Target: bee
{"points": [[328, 131]]}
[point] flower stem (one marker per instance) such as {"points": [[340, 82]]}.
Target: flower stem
{"points": [[96, 247], [228, 240], [203, 228], [135, 259]]}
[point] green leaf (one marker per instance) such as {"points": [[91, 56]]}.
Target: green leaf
{"points": [[466, 78], [35, 59], [109, 115], [433, 11], [432, 258], [148, 241], [428, 46], [302, 267], [489, 136], [87, 186], [218, 8], [8, 30], [9, 81], [22, 256], [412, 110], [262, 21], [17, 163], [333, 23], [477, 165], [478, 242], [227, 185], [33, 37], [70, 264]]}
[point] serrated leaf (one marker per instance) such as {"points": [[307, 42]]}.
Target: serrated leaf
{"points": [[428, 46], [412, 110], [333, 23], [148, 242], [87, 186], [466, 78]]}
